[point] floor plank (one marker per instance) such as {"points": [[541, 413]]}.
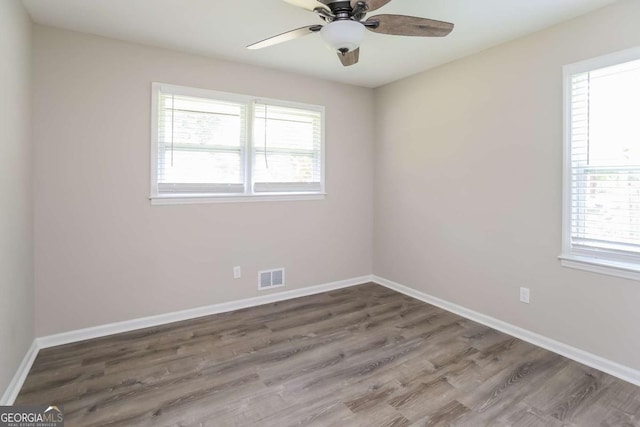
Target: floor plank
{"points": [[361, 356]]}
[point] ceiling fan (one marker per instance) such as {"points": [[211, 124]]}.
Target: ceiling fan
{"points": [[345, 24]]}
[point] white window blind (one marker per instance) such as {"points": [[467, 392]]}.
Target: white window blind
{"points": [[200, 145], [604, 163], [215, 146], [287, 149]]}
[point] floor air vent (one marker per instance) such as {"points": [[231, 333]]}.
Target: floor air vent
{"points": [[268, 279]]}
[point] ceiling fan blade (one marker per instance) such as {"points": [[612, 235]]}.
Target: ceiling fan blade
{"points": [[307, 4], [401, 25], [349, 58], [371, 4], [285, 37]]}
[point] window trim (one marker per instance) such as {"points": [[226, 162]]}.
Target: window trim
{"points": [[602, 263], [249, 195]]}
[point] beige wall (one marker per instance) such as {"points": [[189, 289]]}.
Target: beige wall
{"points": [[469, 187], [16, 169], [105, 254]]}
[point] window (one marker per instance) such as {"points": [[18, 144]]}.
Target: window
{"points": [[213, 146], [601, 230]]}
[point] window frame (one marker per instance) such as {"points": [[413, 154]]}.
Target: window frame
{"points": [[248, 151], [594, 260]]}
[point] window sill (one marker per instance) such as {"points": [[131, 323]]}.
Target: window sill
{"points": [[600, 266], [181, 199]]}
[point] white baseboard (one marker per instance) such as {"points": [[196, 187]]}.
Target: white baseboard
{"points": [[162, 319], [15, 385], [597, 362], [613, 368]]}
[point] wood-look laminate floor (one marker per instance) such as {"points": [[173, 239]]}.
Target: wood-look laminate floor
{"points": [[362, 356]]}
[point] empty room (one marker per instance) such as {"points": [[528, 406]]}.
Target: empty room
{"points": [[320, 213]]}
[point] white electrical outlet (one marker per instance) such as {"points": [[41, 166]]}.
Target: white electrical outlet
{"points": [[524, 295], [237, 272]]}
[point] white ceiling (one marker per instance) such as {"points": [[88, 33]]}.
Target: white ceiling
{"points": [[222, 29]]}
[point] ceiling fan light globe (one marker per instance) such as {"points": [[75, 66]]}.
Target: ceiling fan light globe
{"points": [[344, 34]]}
